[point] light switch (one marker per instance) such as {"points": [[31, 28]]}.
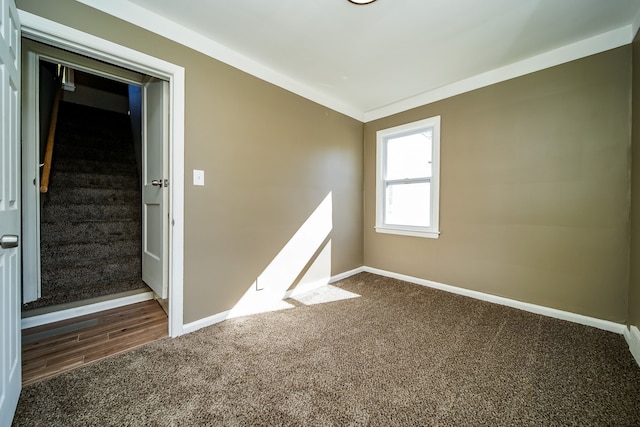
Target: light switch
{"points": [[198, 177]]}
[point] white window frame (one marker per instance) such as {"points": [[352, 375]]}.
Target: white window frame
{"points": [[382, 136]]}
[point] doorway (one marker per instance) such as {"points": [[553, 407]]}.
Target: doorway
{"points": [[91, 236], [49, 32]]}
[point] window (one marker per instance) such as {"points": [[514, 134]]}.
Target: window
{"points": [[407, 179]]}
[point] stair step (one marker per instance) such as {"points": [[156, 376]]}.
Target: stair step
{"points": [[105, 138], [91, 273], [61, 179], [95, 166], [85, 231], [96, 152], [59, 254], [70, 213], [78, 195], [62, 294]]}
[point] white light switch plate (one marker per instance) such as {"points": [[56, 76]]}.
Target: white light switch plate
{"points": [[198, 177]]}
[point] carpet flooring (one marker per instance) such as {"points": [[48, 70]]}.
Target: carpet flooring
{"points": [[398, 354]]}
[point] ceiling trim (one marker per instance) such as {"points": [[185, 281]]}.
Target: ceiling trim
{"points": [[591, 46], [162, 26]]}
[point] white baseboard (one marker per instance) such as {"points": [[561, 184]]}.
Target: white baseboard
{"points": [[203, 323], [313, 286], [632, 335], [346, 274], [70, 313], [219, 317], [606, 325]]}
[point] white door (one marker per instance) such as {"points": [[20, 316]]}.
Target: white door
{"points": [[155, 161], [30, 239], [10, 266]]}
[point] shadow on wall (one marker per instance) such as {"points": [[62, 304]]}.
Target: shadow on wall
{"points": [[305, 261]]}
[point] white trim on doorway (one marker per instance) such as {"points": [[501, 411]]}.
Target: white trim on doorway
{"points": [[53, 33], [90, 308]]}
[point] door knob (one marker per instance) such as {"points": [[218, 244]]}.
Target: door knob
{"points": [[9, 241], [160, 182]]}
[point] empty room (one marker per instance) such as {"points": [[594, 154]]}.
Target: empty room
{"points": [[304, 212]]}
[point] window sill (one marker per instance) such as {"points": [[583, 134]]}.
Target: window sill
{"points": [[408, 232]]}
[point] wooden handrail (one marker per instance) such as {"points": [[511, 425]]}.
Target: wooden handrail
{"points": [[48, 155]]}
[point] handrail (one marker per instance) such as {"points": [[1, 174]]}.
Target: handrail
{"points": [[48, 155]]}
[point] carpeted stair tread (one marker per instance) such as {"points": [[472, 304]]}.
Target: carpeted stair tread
{"points": [[92, 272], [89, 212], [62, 253], [94, 180], [61, 294], [84, 195], [95, 262], [120, 153], [94, 166], [86, 230], [105, 140]]}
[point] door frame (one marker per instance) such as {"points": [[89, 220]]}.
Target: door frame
{"points": [[32, 54], [61, 36]]}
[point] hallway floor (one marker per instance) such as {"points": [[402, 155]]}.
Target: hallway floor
{"points": [[49, 350]]}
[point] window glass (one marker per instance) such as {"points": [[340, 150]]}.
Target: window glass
{"points": [[408, 204], [409, 156], [408, 179]]}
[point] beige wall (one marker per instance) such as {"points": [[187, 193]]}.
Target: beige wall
{"points": [[634, 287], [535, 183], [270, 158], [534, 190]]}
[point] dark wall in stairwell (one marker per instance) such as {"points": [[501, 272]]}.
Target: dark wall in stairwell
{"points": [[46, 95], [270, 158], [98, 92], [135, 115]]}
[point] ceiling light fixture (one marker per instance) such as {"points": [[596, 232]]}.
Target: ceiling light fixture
{"points": [[361, 2]]}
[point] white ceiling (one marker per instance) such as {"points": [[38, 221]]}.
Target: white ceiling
{"points": [[365, 58]]}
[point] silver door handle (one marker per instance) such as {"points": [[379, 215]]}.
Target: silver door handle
{"points": [[160, 182], [9, 241]]}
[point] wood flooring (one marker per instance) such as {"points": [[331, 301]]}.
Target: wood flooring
{"points": [[52, 349]]}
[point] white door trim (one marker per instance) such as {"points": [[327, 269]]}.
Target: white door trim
{"points": [[53, 33]]}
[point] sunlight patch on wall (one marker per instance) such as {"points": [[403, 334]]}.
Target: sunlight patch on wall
{"points": [[318, 274], [271, 286]]}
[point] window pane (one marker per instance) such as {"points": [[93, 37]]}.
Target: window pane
{"points": [[409, 156], [408, 204]]}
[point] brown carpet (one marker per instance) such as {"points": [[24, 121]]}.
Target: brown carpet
{"points": [[399, 354]]}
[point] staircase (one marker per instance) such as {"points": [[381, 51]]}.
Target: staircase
{"points": [[90, 217]]}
